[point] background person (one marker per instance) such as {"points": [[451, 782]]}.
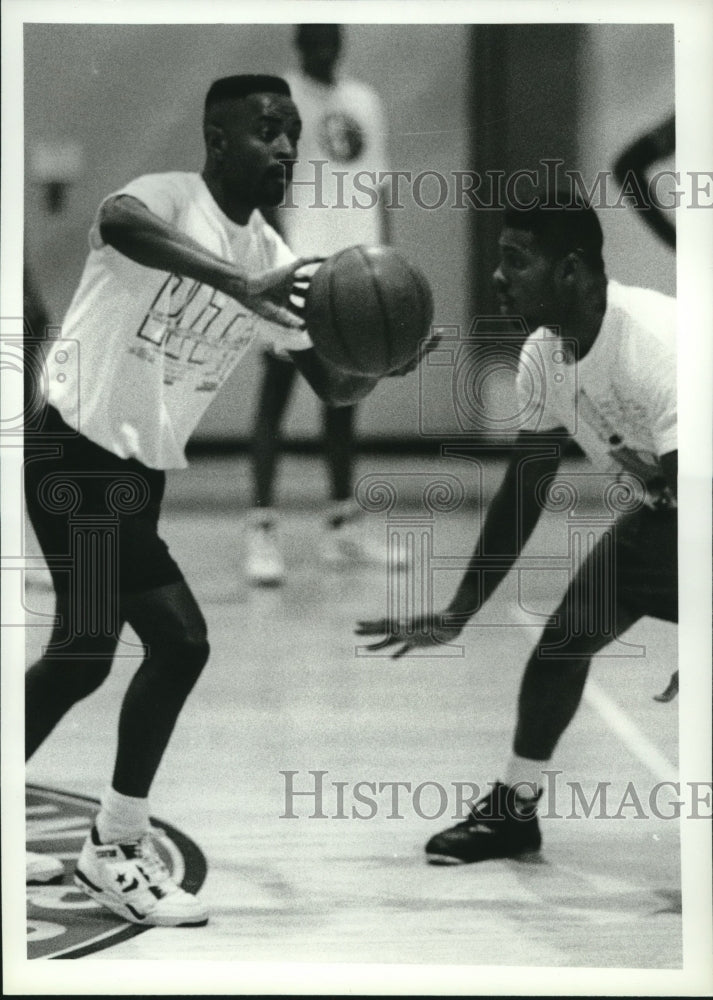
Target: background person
{"points": [[343, 124]]}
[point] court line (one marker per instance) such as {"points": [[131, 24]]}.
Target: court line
{"points": [[629, 733]]}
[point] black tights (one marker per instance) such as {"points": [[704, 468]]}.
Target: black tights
{"points": [[169, 623], [552, 686]]}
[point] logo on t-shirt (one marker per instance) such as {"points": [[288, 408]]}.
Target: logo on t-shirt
{"points": [[341, 136], [195, 332]]}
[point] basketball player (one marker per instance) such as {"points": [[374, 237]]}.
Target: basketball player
{"points": [[605, 358], [183, 274], [344, 131]]}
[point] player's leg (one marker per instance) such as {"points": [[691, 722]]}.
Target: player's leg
{"points": [[63, 489], [119, 865], [70, 669], [605, 598], [171, 626], [264, 563], [78, 656], [339, 450]]}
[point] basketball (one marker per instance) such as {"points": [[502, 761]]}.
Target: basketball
{"points": [[367, 310]]}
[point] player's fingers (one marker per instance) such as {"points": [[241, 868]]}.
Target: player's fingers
{"points": [[304, 261], [390, 640], [306, 267], [278, 314], [373, 627], [406, 648]]}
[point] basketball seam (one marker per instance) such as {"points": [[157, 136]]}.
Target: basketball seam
{"points": [[386, 318], [422, 298], [334, 321]]}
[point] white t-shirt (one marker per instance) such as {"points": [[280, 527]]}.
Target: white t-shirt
{"points": [[143, 352], [619, 401], [344, 124]]}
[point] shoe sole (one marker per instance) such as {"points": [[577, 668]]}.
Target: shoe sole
{"points": [[52, 880], [128, 912], [444, 859], [448, 859]]}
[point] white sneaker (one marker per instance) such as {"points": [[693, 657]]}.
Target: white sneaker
{"points": [[42, 869], [131, 880], [264, 565]]}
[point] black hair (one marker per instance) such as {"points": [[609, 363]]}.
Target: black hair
{"points": [[562, 221], [305, 33], [231, 88]]}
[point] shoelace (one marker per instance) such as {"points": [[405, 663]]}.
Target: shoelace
{"points": [[151, 863]]}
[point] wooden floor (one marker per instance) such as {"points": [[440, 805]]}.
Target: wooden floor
{"points": [[285, 691]]}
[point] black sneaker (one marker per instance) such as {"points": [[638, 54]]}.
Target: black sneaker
{"points": [[500, 825]]}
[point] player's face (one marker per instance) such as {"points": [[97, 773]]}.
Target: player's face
{"points": [[259, 148], [524, 279]]}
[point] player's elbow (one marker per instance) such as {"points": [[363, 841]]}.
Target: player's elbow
{"points": [[117, 221]]}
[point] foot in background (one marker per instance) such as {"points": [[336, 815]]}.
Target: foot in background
{"points": [[346, 541], [264, 563], [42, 869]]}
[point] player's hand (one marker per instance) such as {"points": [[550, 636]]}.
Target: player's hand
{"points": [[412, 633], [278, 294]]}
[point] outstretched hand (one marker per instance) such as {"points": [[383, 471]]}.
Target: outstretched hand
{"points": [[413, 633], [277, 294]]}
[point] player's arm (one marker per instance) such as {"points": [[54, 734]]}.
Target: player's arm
{"points": [[509, 522], [127, 225]]}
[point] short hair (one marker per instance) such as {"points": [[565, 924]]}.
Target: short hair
{"points": [[562, 221], [305, 33], [232, 88]]}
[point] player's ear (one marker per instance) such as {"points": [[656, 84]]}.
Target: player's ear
{"points": [[567, 268], [215, 140]]}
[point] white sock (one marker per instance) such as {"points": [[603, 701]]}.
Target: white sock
{"points": [[525, 775], [121, 817]]}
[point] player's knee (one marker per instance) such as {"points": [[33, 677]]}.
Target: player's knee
{"points": [[190, 651], [78, 680], [562, 644]]}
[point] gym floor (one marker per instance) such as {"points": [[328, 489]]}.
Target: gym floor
{"points": [[286, 690]]}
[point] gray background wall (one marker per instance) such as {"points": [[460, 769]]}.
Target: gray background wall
{"points": [[131, 95]]}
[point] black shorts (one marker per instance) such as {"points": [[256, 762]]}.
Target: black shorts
{"points": [[633, 566], [647, 563], [94, 514]]}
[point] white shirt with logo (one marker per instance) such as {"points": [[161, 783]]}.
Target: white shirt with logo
{"points": [[143, 352], [343, 124], [619, 401]]}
